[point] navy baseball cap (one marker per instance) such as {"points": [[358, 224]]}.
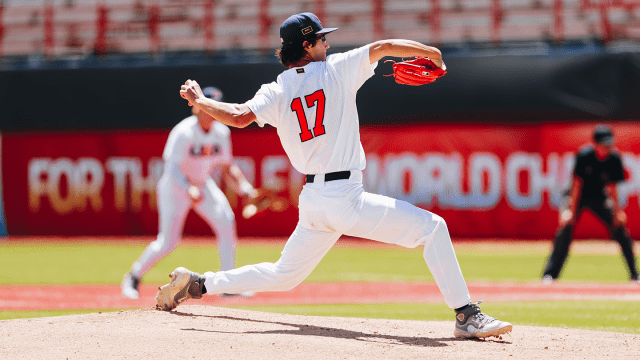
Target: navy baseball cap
{"points": [[302, 26], [213, 93], [603, 135]]}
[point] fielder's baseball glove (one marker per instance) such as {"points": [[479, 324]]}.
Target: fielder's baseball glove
{"points": [[262, 200], [419, 71]]}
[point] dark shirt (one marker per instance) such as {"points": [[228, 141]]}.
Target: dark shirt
{"points": [[595, 173]]}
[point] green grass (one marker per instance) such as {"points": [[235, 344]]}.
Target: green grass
{"points": [[101, 263], [528, 267], [25, 314], [33, 263]]}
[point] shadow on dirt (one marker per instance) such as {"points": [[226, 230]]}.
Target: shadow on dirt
{"points": [[311, 330]]}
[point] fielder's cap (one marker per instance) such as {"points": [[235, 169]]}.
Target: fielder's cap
{"points": [[213, 93], [302, 26], [603, 135]]}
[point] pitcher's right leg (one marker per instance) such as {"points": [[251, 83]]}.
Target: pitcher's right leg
{"points": [[397, 222]]}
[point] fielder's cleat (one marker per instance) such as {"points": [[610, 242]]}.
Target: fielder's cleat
{"points": [[184, 285], [547, 280], [472, 323], [130, 286]]}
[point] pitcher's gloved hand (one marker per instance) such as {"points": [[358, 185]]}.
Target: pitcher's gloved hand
{"points": [[419, 71]]}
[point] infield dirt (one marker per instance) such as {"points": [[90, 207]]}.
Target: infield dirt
{"points": [[208, 332]]}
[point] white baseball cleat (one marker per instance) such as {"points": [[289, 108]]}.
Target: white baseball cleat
{"points": [[472, 323], [184, 285], [130, 286], [547, 280]]}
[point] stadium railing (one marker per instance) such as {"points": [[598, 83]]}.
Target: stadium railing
{"points": [[57, 28]]}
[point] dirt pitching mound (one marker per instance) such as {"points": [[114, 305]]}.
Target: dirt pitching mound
{"points": [[207, 332]]}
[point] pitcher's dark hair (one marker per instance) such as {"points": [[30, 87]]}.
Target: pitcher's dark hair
{"points": [[290, 53]]}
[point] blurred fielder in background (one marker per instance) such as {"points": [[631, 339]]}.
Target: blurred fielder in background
{"points": [[597, 172], [313, 107], [195, 147]]}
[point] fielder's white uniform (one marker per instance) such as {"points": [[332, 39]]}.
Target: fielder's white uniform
{"points": [[314, 110], [190, 156]]}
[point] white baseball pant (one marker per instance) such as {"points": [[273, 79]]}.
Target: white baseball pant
{"points": [[173, 206], [330, 209]]}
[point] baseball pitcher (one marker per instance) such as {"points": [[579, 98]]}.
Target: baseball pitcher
{"points": [[312, 105]]}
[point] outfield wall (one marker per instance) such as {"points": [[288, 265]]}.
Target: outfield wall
{"points": [[487, 180], [482, 89]]}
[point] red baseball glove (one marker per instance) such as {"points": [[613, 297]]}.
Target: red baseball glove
{"points": [[419, 71]]}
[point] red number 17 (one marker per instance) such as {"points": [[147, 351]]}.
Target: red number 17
{"points": [[296, 105]]}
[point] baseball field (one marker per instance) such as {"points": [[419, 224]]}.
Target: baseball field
{"points": [[60, 298]]}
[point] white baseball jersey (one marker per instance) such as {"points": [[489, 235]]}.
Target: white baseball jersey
{"points": [[319, 128], [197, 153], [314, 109]]}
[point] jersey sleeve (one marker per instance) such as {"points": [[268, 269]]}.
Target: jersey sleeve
{"points": [[173, 169], [353, 66], [176, 147], [265, 104], [579, 167], [617, 172]]}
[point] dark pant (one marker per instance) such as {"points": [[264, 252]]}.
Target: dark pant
{"points": [[564, 236]]}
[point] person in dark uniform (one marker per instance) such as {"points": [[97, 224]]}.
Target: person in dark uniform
{"points": [[598, 169]]}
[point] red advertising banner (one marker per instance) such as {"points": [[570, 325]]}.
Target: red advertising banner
{"points": [[488, 181]]}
